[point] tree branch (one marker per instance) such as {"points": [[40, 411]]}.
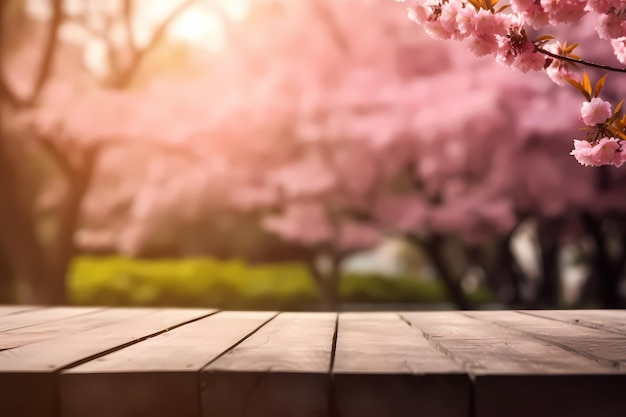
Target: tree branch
{"points": [[49, 51], [128, 14], [579, 61], [328, 18], [6, 94], [47, 59], [59, 156], [126, 76]]}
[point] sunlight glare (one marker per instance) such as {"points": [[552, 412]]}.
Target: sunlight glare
{"points": [[199, 26], [236, 9]]}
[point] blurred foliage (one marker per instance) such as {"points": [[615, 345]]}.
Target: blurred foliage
{"points": [[232, 284]]}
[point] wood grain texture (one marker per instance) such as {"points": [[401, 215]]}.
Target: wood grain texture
{"points": [[35, 365], [48, 330], [280, 370], [517, 376], [34, 317], [384, 367], [159, 376], [609, 320], [177, 362], [485, 348], [599, 345], [5, 310]]}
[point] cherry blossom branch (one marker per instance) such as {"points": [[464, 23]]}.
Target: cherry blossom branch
{"points": [[580, 61]]}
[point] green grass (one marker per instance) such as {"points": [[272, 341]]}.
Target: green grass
{"points": [[230, 284]]}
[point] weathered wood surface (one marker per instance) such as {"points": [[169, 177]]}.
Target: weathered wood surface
{"points": [[38, 316], [74, 324], [33, 369], [280, 370], [64, 362], [516, 373], [383, 367], [158, 376], [6, 310], [613, 321]]}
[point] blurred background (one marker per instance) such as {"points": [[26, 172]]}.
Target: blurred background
{"points": [[294, 155]]}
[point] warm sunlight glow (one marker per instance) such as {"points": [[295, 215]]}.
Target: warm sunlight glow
{"points": [[236, 9], [200, 27]]}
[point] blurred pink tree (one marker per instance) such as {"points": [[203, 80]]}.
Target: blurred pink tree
{"points": [[33, 75], [332, 147], [362, 139]]}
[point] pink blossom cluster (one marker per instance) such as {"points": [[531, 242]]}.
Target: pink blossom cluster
{"points": [[484, 31], [595, 111], [605, 150], [491, 29], [499, 29]]}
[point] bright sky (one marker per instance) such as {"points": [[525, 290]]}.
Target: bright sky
{"points": [[198, 24]]}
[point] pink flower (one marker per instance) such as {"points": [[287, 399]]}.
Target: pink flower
{"points": [[619, 47], [564, 11], [558, 70], [531, 12], [528, 59], [418, 13], [483, 45], [599, 6], [466, 20], [610, 26], [607, 151], [595, 111]]}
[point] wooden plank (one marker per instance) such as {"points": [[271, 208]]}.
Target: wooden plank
{"points": [[550, 395], [384, 367], [484, 347], [30, 318], [609, 320], [38, 332], [599, 345], [33, 368], [5, 310], [159, 376], [281, 370], [517, 376]]}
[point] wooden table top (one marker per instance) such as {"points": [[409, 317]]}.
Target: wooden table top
{"points": [[94, 361]]}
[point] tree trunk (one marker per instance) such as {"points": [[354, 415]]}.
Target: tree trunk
{"points": [[434, 248], [18, 236], [549, 290], [503, 275], [7, 284], [606, 272], [511, 273], [327, 283]]}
